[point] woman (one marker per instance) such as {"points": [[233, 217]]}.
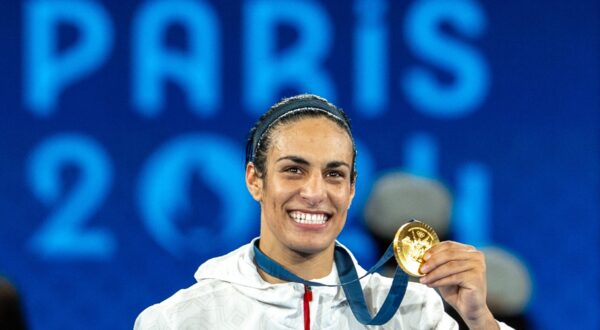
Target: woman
{"points": [[300, 167]]}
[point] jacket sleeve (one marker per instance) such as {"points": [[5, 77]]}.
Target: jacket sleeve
{"points": [[434, 311], [421, 308], [446, 321], [151, 319]]}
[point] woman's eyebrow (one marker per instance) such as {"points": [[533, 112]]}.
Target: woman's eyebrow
{"points": [[300, 160], [295, 159], [336, 164]]}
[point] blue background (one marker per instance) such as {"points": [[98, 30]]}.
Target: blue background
{"points": [[123, 124]]}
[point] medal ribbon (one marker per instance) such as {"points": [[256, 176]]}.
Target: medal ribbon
{"points": [[350, 282]]}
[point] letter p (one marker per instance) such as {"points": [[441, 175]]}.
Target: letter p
{"points": [[48, 72]]}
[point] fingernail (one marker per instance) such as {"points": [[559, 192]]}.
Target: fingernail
{"points": [[426, 256], [424, 268], [423, 280]]}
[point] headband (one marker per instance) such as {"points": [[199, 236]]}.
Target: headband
{"points": [[285, 110]]}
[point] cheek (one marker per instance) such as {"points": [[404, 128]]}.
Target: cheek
{"points": [[273, 206], [275, 195], [282, 190], [343, 195]]}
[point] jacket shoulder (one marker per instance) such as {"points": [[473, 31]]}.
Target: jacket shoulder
{"points": [[184, 306]]}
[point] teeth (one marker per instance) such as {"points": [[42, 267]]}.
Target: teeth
{"points": [[309, 218]]}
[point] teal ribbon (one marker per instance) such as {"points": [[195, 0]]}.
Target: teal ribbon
{"points": [[350, 282]]}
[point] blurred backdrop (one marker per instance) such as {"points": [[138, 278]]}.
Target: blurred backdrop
{"points": [[123, 126]]}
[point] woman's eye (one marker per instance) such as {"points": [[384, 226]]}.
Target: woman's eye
{"points": [[294, 170], [335, 174]]}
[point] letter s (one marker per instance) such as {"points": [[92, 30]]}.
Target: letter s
{"points": [[468, 68]]}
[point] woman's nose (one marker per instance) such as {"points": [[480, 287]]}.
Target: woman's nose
{"points": [[314, 189]]}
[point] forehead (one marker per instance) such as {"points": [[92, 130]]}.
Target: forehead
{"points": [[313, 136]]}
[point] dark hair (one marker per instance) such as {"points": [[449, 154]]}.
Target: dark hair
{"points": [[290, 110], [12, 315]]}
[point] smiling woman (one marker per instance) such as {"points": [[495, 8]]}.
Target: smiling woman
{"points": [[300, 168], [304, 194]]}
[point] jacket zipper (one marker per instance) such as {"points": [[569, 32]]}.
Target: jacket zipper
{"points": [[307, 300]]}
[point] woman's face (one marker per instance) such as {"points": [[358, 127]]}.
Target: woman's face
{"points": [[306, 190]]}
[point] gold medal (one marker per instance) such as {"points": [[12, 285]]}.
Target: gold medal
{"points": [[411, 242]]}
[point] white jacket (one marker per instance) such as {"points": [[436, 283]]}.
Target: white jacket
{"points": [[230, 294]]}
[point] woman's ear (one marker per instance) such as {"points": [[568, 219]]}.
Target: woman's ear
{"points": [[254, 182]]}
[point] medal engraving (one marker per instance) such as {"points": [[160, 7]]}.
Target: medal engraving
{"points": [[411, 242]]}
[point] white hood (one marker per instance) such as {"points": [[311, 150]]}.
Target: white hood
{"points": [[230, 294], [239, 269]]}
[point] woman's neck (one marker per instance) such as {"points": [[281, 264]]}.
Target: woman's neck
{"points": [[306, 266]]}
